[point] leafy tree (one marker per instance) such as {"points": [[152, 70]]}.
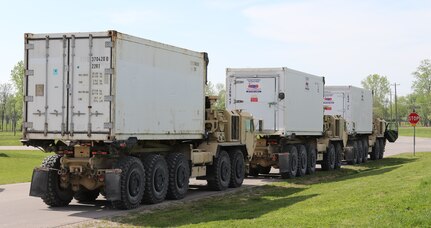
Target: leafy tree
{"points": [[422, 88], [219, 91], [5, 93], [17, 78], [381, 89]]}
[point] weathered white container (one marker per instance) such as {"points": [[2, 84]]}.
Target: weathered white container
{"points": [[109, 85], [287, 101], [354, 104]]}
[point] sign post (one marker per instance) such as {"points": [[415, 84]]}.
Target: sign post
{"points": [[414, 119]]}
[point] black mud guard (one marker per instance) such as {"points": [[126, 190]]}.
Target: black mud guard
{"points": [[284, 162], [113, 185], [39, 182]]}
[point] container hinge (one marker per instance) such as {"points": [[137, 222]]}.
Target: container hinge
{"points": [[29, 72], [108, 125], [109, 98], [109, 44], [28, 98], [68, 86], [79, 113], [238, 82], [109, 71], [237, 101], [96, 113], [56, 113], [29, 46], [28, 124], [39, 113]]}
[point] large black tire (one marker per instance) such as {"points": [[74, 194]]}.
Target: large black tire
{"points": [[311, 158], [293, 163], [302, 160], [132, 183], [328, 162], [55, 195], [264, 170], [179, 175], [254, 172], [360, 152], [382, 148], [220, 172], [355, 154], [156, 179], [365, 147], [338, 155], [376, 150], [237, 172], [86, 196]]}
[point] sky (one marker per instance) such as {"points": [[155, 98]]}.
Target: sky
{"points": [[342, 40]]}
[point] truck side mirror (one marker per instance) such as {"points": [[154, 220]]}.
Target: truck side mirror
{"points": [[281, 95]]}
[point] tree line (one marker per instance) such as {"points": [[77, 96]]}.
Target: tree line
{"points": [[12, 96], [419, 100]]}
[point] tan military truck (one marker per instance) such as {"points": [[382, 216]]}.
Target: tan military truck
{"points": [[127, 118]]}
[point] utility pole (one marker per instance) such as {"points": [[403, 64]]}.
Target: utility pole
{"points": [[396, 106], [390, 102]]}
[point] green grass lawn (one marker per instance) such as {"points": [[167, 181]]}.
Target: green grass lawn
{"points": [[420, 131], [393, 192], [8, 139], [17, 166]]}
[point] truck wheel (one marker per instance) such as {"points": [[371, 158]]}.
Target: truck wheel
{"points": [[360, 152], [293, 163], [254, 172], [179, 175], [355, 154], [382, 148], [365, 147], [55, 196], [220, 172], [376, 150], [156, 179], [265, 170], [338, 155], [85, 196], [132, 183], [311, 158], [328, 162], [302, 160], [237, 169]]}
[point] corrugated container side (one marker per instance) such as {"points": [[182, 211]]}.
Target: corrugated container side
{"points": [[101, 85], [354, 104], [259, 91], [159, 90]]}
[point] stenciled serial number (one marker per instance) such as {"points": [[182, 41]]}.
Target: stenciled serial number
{"points": [[99, 59]]}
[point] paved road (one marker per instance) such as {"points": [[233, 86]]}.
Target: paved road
{"points": [[17, 209]]}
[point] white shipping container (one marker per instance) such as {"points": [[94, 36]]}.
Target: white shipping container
{"points": [[354, 104], [109, 85], [260, 92]]}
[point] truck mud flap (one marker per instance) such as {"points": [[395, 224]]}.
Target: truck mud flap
{"points": [[113, 185], [39, 182], [284, 162]]}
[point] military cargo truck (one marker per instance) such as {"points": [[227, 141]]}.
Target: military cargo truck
{"points": [[293, 133], [367, 134], [127, 118]]}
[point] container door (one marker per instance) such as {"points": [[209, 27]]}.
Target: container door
{"points": [[46, 83], [333, 104], [89, 96], [257, 95]]}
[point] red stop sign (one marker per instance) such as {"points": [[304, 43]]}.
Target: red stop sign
{"points": [[414, 118]]}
